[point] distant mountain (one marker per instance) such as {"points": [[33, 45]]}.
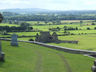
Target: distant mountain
{"points": [[42, 11], [29, 10]]}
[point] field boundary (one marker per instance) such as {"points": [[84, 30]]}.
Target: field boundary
{"points": [[65, 49]]}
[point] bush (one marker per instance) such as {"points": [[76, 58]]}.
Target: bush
{"points": [[88, 28], [94, 28], [31, 40], [93, 24]]}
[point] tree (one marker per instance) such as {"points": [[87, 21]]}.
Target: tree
{"points": [[65, 29], [24, 26], [1, 17], [93, 23], [58, 28], [58, 22], [30, 28], [53, 22], [81, 22], [76, 28], [10, 22], [88, 28], [16, 22], [95, 28], [38, 22], [46, 21]]}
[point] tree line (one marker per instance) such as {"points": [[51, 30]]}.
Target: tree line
{"points": [[47, 17], [23, 27]]}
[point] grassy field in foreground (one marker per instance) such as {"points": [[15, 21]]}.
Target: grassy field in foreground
{"points": [[34, 58]]}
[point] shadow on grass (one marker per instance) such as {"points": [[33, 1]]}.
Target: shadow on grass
{"points": [[1, 64]]}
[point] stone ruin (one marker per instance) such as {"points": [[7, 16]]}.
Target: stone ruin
{"points": [[46, 37], [14, 41]]}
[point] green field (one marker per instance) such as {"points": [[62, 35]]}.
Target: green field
{"points": [[34, 58], [29, 57], [6, 24], [85, 42], [24, 33], [87, 38]]}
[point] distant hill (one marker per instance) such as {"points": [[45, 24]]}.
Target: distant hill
{"points": [[29, 10], [38, 10]]}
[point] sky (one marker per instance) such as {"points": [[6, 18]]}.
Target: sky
{"points": [[49, 4]]}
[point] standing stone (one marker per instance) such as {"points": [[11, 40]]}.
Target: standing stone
{"points": [[14, 41], [1, 54]]}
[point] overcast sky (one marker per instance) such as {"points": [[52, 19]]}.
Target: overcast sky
{"points": [[50, 4]]}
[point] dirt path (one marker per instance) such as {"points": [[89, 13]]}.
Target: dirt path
{"points": [[68, 68], [38, 67], [66, 64]]}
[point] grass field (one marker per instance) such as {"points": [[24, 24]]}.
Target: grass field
{"points": [[24, 33], [6, 24], [34, 58], [85, 42]]}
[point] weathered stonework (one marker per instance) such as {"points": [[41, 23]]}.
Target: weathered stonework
{"points": [[46, 37]]}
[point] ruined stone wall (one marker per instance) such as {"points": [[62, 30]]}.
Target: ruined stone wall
{"points": [[65, 41]]}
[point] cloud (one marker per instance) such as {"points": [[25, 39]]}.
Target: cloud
{"points": [[49, 4]]}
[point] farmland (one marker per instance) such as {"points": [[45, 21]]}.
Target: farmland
{"points": [[86, 38], [35, 58], [60, 37]]}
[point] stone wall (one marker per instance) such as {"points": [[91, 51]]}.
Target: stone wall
{"points": [[65, 41], [65, 49]]}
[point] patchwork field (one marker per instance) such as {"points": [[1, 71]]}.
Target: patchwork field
{"points": [[86, 38], [34, 58], [6, 24]]}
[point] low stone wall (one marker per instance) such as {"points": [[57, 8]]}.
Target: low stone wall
{"points": [[65, 49], [73, 42]]}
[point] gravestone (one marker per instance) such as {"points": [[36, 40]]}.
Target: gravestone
{"points": [[1, 54], [94, 67], [14, 41]]}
